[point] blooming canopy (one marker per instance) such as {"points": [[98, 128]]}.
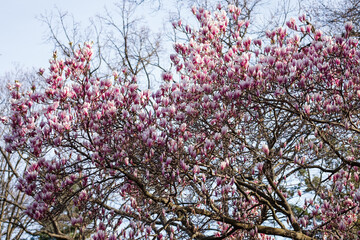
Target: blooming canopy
{"points": [[257, 139]]}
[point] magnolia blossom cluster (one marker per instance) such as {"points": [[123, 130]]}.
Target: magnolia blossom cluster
{"points": [[259, 138]]}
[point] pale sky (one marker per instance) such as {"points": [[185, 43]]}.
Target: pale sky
{"points": [[22, 38]]}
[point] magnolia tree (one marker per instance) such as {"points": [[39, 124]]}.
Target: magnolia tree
{"points": [[14, 223], [253, 141]]}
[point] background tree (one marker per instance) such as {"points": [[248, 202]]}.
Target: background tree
{"points": [[121, 38], [332, 15]]}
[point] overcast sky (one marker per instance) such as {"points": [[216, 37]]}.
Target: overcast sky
{"points": [[23, 35], [22, 40]]}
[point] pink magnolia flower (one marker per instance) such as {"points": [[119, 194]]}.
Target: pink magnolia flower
{"points": [[265, 149]]}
